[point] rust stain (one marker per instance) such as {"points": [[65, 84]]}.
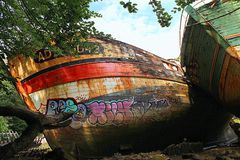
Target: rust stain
{"points": [[232, 85], [25, 66], [147, 65], [234, 52], [92, 88], [223, 77], [26, 98], [215, 56]]}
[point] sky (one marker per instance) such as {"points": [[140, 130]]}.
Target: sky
{"points": [[140, 29]]}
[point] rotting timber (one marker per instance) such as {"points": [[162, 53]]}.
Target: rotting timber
{"points": [[123, 99], [211, 51]]}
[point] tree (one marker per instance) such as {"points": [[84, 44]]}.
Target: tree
{"points": [[58, 25]]}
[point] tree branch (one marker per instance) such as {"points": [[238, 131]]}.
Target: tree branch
{"points": [[21, 143], [36, 121]]}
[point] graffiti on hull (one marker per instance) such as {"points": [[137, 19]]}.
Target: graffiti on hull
{"points": [[56, 106], [105, 112]]}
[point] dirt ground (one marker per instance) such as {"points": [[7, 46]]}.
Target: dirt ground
{"points": [[189, 151], [182, 151], [220, 153]]}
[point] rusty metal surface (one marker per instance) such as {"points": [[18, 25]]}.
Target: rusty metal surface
{"points": [[137, 120], [116, 59], [110, 49], [232, 86]]}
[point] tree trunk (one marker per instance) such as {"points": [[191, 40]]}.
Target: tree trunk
{"points": [[36, 122]]}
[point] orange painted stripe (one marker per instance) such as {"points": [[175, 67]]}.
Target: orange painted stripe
{"points": [[232, 36], [26, 98], [82, 71]]}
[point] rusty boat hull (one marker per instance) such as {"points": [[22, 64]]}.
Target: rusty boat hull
{"points": [[123, 99], [211, 51]]}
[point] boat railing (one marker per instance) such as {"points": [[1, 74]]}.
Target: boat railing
{"points": [[173, 66]]}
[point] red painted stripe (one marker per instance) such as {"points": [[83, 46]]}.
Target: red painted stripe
{"points": [[82, 71]]}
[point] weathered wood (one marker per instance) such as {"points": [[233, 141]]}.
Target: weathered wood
{"points": [[210, 51]]}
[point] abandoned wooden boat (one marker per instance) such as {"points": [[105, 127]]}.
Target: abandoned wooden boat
{"points": [[123, 98], [211, 51]]}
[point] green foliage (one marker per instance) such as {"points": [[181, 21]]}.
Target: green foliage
{"points": [[5, 80], [130, 6], [16, 124], [30, 25], [12, 123], [180, 4], [4, 126], [164, 18], [8, 95], [58, 25]]}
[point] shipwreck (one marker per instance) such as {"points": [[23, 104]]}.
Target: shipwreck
{"points": [[126, 99]]}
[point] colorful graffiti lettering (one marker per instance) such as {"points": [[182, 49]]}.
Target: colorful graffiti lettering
{"points": [[80, 113], [57, 106], [159, 102], [141, 108], [110, 112], [101, 112]]}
